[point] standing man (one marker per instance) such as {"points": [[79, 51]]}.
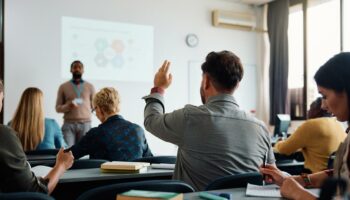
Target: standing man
{"points": [[217, 138], [74, 101]]}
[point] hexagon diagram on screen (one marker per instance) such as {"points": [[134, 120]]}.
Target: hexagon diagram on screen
{"points": [[109, 50]]}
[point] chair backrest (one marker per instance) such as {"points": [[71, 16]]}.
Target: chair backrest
{"points": [[110, 192], [157, 159], [331, 161], [87, 163], [25, 196], [43, 152], [235, 181]]}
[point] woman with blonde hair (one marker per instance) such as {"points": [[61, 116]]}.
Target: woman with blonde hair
{"points": [[115, 138], [34, 131]]}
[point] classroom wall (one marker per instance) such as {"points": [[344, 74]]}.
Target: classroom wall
{"points": [[33, 50]]}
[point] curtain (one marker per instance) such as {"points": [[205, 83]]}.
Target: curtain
{"points": [[277, 24], [263, 56]]}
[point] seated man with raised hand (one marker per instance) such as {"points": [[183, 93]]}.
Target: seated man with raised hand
{"points": [[318, 138], [217, 138], [115, 138]]}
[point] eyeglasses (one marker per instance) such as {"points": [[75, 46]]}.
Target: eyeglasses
{"points": [[93, 110]]}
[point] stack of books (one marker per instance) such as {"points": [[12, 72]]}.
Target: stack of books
{"points": [[149, 195], [124, 167]]}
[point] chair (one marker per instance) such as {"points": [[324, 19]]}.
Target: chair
{"points": [[110, 192], [52, 152], [331, 161], [87, 163], [157, 159], [235, 181], [25, 196]]}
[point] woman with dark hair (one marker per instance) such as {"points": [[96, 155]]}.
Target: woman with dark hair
{"points": [[333, 82], [317, 138]]}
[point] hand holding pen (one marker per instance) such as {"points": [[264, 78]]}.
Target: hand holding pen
{"points": [[272, 174], [264, 166]]}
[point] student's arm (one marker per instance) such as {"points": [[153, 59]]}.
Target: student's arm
{"points": [[16, 173], [170, 126], [296, 141], [64, 161], [291, 189], [274, 175]]}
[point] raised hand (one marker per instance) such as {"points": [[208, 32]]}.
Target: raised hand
{"points": [[163, 78]]}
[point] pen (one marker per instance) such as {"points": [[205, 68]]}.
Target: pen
{"points": [[264, 165]]}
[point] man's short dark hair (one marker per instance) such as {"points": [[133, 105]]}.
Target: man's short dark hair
{"points": [[76, 62], [1, 86], [224, 68]]}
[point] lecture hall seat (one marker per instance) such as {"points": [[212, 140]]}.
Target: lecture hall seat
{"points": [[110, 192]]}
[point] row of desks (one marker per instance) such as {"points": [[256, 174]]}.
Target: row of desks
{"points": [[74, 182]]}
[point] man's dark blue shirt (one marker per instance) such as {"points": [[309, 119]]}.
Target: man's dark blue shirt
{"points": [[114, 139]]}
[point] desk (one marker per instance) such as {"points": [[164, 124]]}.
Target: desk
{"points": [[237, 193], [76, 181], [47, 160], [40, 157], [294, 167]]}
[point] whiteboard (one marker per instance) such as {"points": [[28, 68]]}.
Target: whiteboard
{"points": [[245, 94]]}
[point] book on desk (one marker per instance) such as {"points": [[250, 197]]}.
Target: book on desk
{"points": [[149, 195], [124, 167]]}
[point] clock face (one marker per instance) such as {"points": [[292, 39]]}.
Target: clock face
{"points": [[192, 40]]}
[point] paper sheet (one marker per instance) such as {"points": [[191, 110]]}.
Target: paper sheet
{"points": [[41, 170], [270, 191]]}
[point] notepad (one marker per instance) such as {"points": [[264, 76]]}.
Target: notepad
{"points": [[124, 167], [41, 170], [270, 191], [121, 165], [149, 195]]}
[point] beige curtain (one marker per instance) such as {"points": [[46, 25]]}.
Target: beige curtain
{"points": [[263, 61]]}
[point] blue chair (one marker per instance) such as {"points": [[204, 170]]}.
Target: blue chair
{"points": [[25, 196], [87, 163], [110, 192], [236, 181], [157, 159]]}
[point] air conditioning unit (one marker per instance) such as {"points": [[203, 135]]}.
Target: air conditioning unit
{"points": [[231, 19]]}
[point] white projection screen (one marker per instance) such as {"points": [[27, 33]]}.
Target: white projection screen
{"points": [[112, 50]]}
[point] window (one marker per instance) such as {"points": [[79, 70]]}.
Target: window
{"points": [[314, 36], [296, 60], [323, 39]]}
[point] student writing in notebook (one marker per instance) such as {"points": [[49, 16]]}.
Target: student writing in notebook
{"points": [[15, 171], [333, 82]]}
